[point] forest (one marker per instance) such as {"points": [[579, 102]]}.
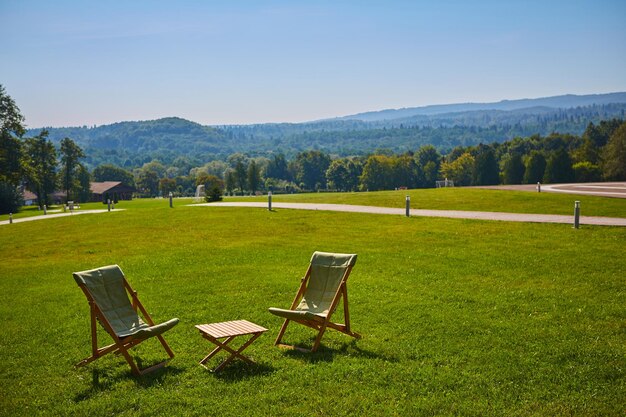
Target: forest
{"points": [[476, 147]]}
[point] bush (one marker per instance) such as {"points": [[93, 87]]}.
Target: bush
{"points": [[10, 198], [213, 194], [587, 172]]}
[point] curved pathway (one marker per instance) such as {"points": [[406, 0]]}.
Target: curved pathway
{"points": [[55, 215], [453, 214]]}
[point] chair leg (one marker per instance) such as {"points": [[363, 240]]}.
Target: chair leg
{"points": [[166, 346], [281, 332], [318, 339]]}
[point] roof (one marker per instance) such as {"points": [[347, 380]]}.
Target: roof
{"points": [[103, 187]]}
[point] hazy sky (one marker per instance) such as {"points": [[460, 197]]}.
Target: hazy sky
{"points": [[71, 63]]}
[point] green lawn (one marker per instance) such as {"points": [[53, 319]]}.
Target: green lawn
{"points": [[458, 317], [473, 199]]}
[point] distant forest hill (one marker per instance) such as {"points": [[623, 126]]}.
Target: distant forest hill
{"points": [[131, 144]]}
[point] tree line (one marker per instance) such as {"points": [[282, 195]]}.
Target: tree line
{"points": [[36, 164]]}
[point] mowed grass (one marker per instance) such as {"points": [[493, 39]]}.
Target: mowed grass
{"points": [[471, 199], [458, 317]]}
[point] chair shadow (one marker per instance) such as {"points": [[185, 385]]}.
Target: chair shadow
{"points": [[327, 354], [106, 379], [239, 370]]}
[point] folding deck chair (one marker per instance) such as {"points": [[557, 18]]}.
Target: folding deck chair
{"points": [[321, 289], [106, 291]]}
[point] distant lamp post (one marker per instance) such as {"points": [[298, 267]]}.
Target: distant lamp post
{"points": [[269, 201], [171, 202]]}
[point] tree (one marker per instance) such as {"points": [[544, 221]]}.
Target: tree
{"points": [[460, 170], [486, 170], [84, 181], [40, 159], [240, 176], [535, 168], [109, 172], [406, 172], [614, 155], [167, 185], [277, 168], [148, 182], [559, 168], [378, 173], [343, 174], [586, 172], [230, 181], [11, 129], [311, 169], [70, 156], [429, 161], [513, 172], [213, 186], [254, 177]]}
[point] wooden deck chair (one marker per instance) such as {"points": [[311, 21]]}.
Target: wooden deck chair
{"points": [[106, 291], [321, 289]]}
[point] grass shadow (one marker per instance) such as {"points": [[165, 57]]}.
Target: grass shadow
{"points": [[239, 370], [106, 379], [326, 354]]}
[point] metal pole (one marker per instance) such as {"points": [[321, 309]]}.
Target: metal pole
{"points": [[109, 204], [408, 206], [10, 218], [269, 201], [45, 209], [576, 214], [538, 187], [171, 203]]}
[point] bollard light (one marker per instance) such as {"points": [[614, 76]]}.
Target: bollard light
{"points": [[538, 187], [109, 204], [171, 202], [269, 201], [45, 209], [576, 214], [10, 218], [408, 206]]}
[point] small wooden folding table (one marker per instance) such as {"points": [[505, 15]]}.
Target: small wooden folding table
{"points": [[229, 330]]}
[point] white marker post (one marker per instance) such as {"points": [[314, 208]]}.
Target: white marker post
{"points": [[45, 210], [408, 206], [109, 204]]}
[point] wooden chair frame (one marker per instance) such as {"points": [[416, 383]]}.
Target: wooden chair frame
{"points": [[319, 323], [123, 344]]}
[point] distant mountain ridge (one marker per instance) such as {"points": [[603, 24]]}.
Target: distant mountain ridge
{"points": [[556, 102], [131, 144]]}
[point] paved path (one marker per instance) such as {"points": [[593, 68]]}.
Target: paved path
{"points": [[453, 214], [52, 216], [602, 189]]}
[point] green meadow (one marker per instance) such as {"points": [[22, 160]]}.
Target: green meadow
{"points": [[458, 317]]}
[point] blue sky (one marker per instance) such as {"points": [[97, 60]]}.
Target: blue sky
{"points": [[72, 63]]}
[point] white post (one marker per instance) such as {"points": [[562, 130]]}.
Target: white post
{"points": [[109, 204], [45, 209], [408, 206]]}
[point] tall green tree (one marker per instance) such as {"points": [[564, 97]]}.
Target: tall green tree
{"points": [[84, 184], [277, 168], [253, 176], [11, 129], [513, 171], [343, 174], [71, 154], [559, 168], [311, 169], [378, 173], [486, 170], [241, 176], [40, 159], [614, 155], [535, 168], [429, 162], [460, 170]]}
